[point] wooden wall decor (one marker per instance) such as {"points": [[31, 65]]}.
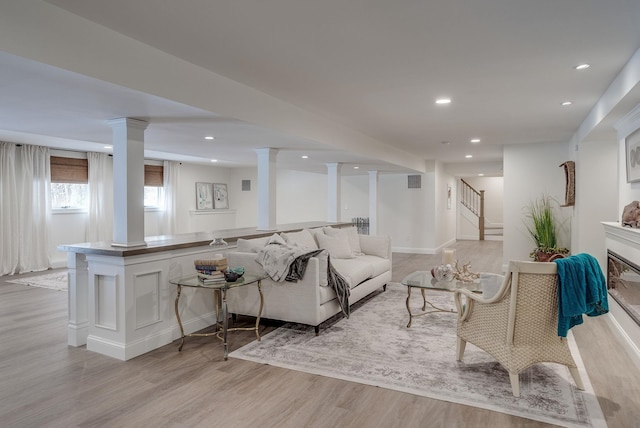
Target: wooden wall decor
{"points": [[570, 178]]}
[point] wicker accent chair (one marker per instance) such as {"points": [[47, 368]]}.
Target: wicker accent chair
{"points": [[519, 324]]}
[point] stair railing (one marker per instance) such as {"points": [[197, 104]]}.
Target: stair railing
{"points": [[474, 200]]}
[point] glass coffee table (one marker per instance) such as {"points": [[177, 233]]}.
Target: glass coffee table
{"points": [[425, 281], [220, 290]]}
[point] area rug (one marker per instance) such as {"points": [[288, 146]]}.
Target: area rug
{"points": [[55, 281], [375, 347]]}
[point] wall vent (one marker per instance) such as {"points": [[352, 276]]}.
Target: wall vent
{"points": [[246, 185], [414, 182]]}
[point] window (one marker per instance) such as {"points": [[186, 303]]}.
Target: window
{"points": [[153, 182], [70, 188], [69, 183], [69, 196], [153, 196]]}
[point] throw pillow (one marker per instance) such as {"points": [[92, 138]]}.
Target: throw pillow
{"points": [[304, 238], [352, 236], [248, 246], [338, 247], [375, 245]]}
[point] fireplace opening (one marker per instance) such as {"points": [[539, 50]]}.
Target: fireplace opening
{"points": [[623, 283]]}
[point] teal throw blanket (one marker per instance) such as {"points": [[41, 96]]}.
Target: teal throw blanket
{"points": [[582, 289]]}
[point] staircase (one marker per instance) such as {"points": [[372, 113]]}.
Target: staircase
{"points": [[473, 200]]}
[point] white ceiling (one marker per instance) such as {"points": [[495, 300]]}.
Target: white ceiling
{"points": [[375, 66]]}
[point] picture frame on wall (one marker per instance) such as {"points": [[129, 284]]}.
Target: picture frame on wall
{"points": [[220, 196], [632, 154], [204, 196]]}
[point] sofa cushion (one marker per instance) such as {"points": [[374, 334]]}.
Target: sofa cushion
{"points": [[352, 236], [354, 270], [304, 238], [251, 245], [375, 245], [338, 247], [378, 264]]}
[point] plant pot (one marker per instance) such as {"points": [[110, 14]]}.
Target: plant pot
{"points": [[547, 257]]}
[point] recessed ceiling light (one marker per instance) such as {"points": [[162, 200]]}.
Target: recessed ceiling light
{"points": [[481, 175], [209, 137], [468, 156], [108, 147], [443, 101], [475, 140], [214, 160], [305, 157], [582, 66], [566, 103]]}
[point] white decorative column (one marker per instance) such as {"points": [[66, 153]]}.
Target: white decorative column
{"points": [[128, 181], [373, 202], [334, 183], [267, 188]]}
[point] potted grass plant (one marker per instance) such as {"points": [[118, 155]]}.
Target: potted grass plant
{"points": [[542, 225]]}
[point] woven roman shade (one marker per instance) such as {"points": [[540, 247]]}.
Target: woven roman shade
{"points": [[69, 170], [153, 175]]}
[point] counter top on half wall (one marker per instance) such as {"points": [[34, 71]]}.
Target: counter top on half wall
{"points": [[160, 243]]}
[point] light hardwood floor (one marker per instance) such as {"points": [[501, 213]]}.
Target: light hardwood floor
{"points": [[46, 383]]}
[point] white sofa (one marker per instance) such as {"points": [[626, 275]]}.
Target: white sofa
{"points": [[364, 261]]}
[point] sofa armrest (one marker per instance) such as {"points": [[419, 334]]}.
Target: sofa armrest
{"points": [[376, 246]]}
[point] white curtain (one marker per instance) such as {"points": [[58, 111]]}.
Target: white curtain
{"points": [[25, 186], [9, 237], [170, 187], [100, 226]]}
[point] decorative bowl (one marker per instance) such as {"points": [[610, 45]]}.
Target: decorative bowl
{"points": [[239, 270], [443, 273], [231, 276]]}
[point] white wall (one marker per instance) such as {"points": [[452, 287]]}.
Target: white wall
{"points": [[531, 170], [407, 215], [245, 202], [355, 197], [300, 196], [188, 219], [445, 221], [596, 196], [627, 192]]}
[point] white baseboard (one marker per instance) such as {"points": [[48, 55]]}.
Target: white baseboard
{"points": [[493, 237], [409, 250]]}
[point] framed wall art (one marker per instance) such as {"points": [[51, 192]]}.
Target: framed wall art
{"points": [[204, 196], [220, 196], [632, 153]]}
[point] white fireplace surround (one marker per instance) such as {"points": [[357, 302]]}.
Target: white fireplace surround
{"points": [[625, 242]]}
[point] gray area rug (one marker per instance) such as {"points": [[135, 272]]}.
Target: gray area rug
{"points": [[374, 347], [55, 281]]}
